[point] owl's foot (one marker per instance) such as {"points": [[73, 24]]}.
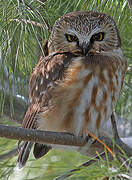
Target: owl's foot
{"points": [[91, 139], [101, 142]]}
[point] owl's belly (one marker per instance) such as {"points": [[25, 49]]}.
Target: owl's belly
{"points": [[89, 108], [83, 101]]}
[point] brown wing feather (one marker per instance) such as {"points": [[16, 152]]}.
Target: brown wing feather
{"points": [[47, 73]]}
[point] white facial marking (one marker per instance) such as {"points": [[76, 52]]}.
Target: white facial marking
{"points": [[84, 37], [95, 31]]}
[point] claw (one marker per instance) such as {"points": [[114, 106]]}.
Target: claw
{"points": [[101, 142], [89, 141]]}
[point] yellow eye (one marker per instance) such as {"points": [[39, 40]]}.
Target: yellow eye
{"points": [[71, 38], [98, 36]]}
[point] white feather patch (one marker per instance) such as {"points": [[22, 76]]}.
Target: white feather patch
{"points": [[84, 102]]}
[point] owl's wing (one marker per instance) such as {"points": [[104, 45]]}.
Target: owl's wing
{"points": [[44, 78], [45, 48]]}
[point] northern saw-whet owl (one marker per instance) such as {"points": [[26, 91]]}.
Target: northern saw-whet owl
{"points": [[75, 87]]}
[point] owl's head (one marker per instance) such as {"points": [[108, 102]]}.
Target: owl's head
{"points": [[84, 32]]}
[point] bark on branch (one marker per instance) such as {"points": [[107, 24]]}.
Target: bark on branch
{"points": [[60, 138]]}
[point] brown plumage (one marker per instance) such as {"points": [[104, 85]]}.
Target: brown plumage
{"points": [[76, 86]]}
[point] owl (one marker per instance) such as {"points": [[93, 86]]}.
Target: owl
{"points": [[75, 87]]}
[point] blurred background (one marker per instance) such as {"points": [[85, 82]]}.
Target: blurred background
{"points": [[24, 26]]}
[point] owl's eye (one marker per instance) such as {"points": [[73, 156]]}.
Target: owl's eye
{"points": [[98, 37], [71, 38]]}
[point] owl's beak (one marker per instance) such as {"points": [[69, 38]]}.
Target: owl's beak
{"points": [[85, 47]]}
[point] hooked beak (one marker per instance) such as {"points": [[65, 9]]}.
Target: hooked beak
{"points": [[85, 47]]}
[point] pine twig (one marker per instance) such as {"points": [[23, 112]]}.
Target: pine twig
{"points": [[9, 154], [34, 23], [87, 163], [41, 2], [19, 107], [47, 26]]}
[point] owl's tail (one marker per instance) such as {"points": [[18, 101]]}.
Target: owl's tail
{"points": [[24, 154], [39, 151]]}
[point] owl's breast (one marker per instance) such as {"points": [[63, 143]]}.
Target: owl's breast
{"points": [[84, 99]]}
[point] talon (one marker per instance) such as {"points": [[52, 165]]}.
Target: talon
{"points": [[101, 142]]}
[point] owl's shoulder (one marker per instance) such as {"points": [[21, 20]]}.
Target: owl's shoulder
{"points": [[47, 73]]}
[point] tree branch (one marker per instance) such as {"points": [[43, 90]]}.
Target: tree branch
{"points": [[117, 139], [29, 22], [60, 138]]}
